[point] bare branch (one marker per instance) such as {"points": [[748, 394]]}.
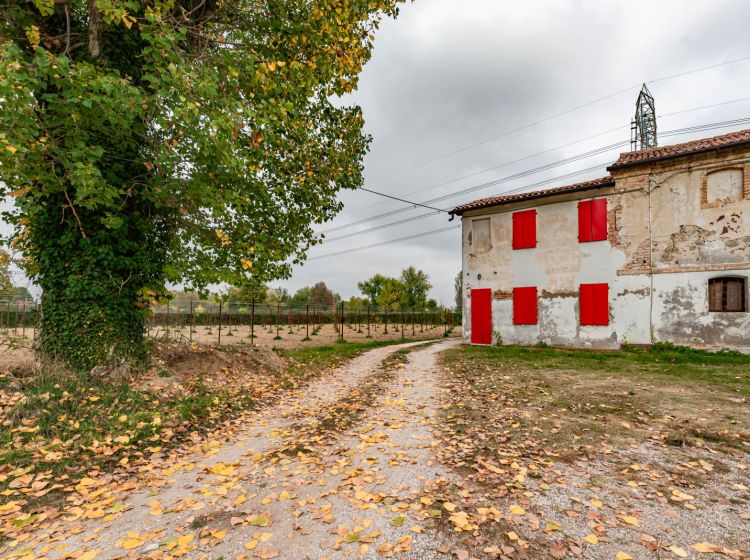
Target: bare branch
{"points": [[73, 209]]}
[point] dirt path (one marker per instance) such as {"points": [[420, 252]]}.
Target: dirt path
{"points": [[320, 475]]}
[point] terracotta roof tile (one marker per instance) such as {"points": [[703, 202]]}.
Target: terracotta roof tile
{"points": [[508, 198], [627, 159]]}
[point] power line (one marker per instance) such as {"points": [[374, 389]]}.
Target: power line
{"points": [[551, 117], [407, 238], [519, 175], [485, 185], [531, 156], [676, 132], [402, 200], [494, 167], [511, 191]]}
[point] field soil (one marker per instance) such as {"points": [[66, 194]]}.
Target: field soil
{"points": [[17, 354], [265, 335]]}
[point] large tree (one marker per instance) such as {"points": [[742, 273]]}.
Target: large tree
{"points": [[372, 287], [415, 287], [183, 141], [321, 295]]}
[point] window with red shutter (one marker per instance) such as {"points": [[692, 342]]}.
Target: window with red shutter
{"points": [[592, 220], [525, 306], [594, 304], [524, 229]]}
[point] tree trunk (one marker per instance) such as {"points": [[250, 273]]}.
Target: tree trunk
{"points": [[93, 278]]}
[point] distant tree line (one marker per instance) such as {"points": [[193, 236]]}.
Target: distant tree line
{"points": [[410, 290]]}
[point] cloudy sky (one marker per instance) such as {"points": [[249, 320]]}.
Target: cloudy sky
{"points": [[460, 93]]}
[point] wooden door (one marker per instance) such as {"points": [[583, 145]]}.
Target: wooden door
{"points": [[481, 316]]}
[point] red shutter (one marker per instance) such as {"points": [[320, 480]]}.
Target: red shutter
{"points": [[481, 316], [529, 229], [599, 219], [585, 303], [517, 231], [584, 221], [601, 304], [524, 229], [594, 304], [525, 306]]}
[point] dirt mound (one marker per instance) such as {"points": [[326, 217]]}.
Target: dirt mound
{"points": [[177, 364]]}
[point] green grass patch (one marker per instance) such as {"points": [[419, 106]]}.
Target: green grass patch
{"points": [[332, 355], [663, 361]]}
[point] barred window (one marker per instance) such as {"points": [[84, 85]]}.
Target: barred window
{"points": [[727, 294]]}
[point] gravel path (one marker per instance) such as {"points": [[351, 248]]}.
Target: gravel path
{"points": [[286, 484]]}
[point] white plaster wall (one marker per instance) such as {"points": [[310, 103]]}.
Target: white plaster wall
{"points": [[686, 234], [681, 312], [557, 267]]}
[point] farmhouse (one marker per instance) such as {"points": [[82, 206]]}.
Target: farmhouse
{"points": [[658, 250]]}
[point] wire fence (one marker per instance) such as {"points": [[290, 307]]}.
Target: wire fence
{"points": [[262, 322], [255, 321]]}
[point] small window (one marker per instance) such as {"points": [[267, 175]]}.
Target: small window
{"points": [[482, 238], [594, 304], [592, 220], [524, 229], [727, 295], [524, 306], [724, 186]]}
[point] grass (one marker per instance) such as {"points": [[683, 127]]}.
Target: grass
{"points": [[664, 361], [574, 399], [318, 358]]}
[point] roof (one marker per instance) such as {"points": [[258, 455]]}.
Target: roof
{"points": [[628, 159], [508, 198]]}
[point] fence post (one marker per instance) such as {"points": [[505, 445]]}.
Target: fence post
{"points": [[412, 322], [252, 322], [220, 302], [307, 322], [403, 319], [342, 320], [368, 322], [278, 314]]}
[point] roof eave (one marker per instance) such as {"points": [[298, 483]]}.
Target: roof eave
{"points": [[459, 211], [615, 166]]}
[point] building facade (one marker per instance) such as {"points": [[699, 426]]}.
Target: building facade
{"points": [[658, 250]]}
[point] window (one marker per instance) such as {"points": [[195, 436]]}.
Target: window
{"points": [[592, 220], [524, 306], [594, 303], [727, 295], [524, 229], [724, 186], [482, 238]]}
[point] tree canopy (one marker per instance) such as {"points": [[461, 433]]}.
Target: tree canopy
{"points": [[415, 285], [183, 141]]}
